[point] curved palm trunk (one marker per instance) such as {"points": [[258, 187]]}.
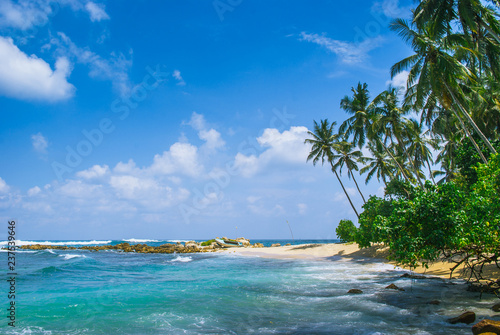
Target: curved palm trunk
{"points": [[395, 161], [474, 125], [410, 160], [355, 182], [347, 195]]}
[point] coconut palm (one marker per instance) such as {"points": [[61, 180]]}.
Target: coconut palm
{"points": [[360, 121], [345, 154], [322, 140], [391, 121], [379, 165], [434, 70], [420, 141]]}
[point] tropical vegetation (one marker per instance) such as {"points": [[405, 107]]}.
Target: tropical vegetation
{"points": [[433, 144]]}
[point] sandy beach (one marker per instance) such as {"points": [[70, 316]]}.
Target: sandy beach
{"points": [[351, 251]]}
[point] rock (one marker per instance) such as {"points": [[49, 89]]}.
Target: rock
{"points": [[354, 291], [258, 245], [483, 288], [496, 307], [407, 275], [434, 302], [275, 245], [243, 241], [486, 326], [394, 287], [286, 245], [467, 317]]}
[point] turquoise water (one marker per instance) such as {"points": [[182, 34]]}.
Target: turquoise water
{"points": [[82, 292]]}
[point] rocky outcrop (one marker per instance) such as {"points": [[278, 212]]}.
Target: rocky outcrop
{"points": [[354, 291], [394, 287], [486, 326], [258, 245], [244, 241], [467, 318], [275, 245]]}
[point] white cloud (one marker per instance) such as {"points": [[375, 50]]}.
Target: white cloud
{"points": [[79, 189], [115, 68], [211, 136], [349, 53], [392, 9], [399, 80], [29, 77], [181, 158], [34, 191], [24, 14], [282, 148], [96, 11], [177, 75], [40, 143], [131, 187], [95, 171], [4, 188]]}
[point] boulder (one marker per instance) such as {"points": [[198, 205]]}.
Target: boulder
{"points": [[467, 318], [258, 245], [486, 326], [286, 245], [243, 241], [354, 291], [496, 307], [276, 245], [394, 287]]}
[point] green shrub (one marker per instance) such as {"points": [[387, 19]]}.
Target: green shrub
{"points": [[346, 231], [206, 243]]}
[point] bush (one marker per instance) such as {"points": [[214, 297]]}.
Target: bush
{"points": [[207, 243], [375, 211], [346, 231]]}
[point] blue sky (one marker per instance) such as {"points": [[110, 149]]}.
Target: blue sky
{"points": [[181, 119]]}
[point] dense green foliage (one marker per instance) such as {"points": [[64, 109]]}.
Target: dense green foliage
{"points": [[346, 231], [445, 202], [206, 243]]}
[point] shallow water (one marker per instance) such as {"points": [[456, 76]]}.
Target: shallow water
{"points": [[83, 292]]}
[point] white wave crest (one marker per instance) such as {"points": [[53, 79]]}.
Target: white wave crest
{"points": [[20, 243], [175, 241], [50, 251], [70, 256], [182, 259], [138, 240]]}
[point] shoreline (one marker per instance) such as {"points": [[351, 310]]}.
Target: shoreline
{"points": [[351, 252]]}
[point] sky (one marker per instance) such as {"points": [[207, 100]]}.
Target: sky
{"points": [[182, 119]]}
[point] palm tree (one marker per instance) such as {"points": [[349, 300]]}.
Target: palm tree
{"points": [[433, 70], [346, 155], [323, 140], [420, 141], [360, 120], [378, 164], [392, 123]]}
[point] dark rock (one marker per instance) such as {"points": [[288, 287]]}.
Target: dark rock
{"points": [[354, 291], [434, 302], [407, 275], [286, 245], [486, 326], [394, 287], [496, 307], [467, 317]]}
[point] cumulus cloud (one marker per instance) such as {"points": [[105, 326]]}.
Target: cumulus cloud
{"points": [[34, 191], [213, 139], [39, 143], [392, 9], [96, 11], [95, 171], [181, 158], [349, 53], [282, 148], [399, 80], [29, 77]]}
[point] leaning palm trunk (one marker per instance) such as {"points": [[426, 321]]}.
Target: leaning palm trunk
{"points": [[347, 195], [395, 161], [356, 184], [474, 125], [410, 160]]}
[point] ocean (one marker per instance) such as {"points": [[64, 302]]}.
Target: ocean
{"points": [[108, 292]]}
